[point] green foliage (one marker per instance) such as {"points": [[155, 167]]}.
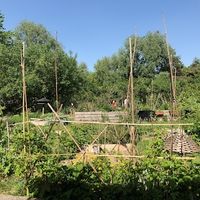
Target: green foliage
{"points": [[188, 86], [150, 73], [40, 160], [148, 179], [41, 172], [1, 110], [11, 185], [42, 53]]}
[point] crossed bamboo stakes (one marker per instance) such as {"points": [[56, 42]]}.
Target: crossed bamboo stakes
{"points": [[82, 152]]}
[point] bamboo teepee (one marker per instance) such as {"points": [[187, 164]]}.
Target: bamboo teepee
{"points": [[177, 140], [182, 143]]}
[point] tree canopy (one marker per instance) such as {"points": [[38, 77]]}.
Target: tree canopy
{"points": [[89, 90], [42, 53], [151, 60]]}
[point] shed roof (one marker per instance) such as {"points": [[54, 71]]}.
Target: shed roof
{"points": [[43, 100]]}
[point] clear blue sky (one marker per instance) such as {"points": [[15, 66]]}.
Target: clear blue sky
{"points": [[97, 28]]}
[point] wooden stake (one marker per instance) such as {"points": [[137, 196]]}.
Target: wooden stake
{"points": [[172, 85], [24, 89], [99, 135], [131, 80], [57, 116], [8, 134], [24, 99], [132, 56], [56, 77], [152, 107], [172, 79]]}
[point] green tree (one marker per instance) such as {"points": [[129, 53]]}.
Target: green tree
{"points": [[111, 81], [151, 58], [10, 83], [151, 55], [9, 65], [195, 63], [2, 32], [42, 54], [188, 86]]}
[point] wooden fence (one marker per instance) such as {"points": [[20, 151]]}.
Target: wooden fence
{"points": [[101, 116]]}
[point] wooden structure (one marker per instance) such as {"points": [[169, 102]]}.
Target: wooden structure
{"points": [[101, 116], [181, 143], [24, 98], [132, 131], [176, 141], [43, 102]]}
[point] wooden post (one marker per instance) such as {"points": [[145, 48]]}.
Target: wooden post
{"points": [[43, 110], [172, 79], [131, 79], [24, 104], [56, 77], [8, 134], [152, 104], [132, 128], [24, 99], [24, 89], [58, 117], [133, 139], [172, 86], [174, 75]]}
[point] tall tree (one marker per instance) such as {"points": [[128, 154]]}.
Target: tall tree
{"points": [[151, 58], [9, 66], [1, 28], [42, 52]]}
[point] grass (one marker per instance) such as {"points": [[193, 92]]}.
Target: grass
{"points": [[11, 185], [144, 145]]}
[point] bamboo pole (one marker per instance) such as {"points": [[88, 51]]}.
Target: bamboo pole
{"points": [[172, 79], [116, 123], [57, 116], [56, 77], [98, 175], [117, 143], [115, 156], [175, 71], [172, 85], [132, 57], [99, 135], [130, 124], [8, 134], [24, 89], [128, 91], [131, 79], [24, 104], [152, 100]]}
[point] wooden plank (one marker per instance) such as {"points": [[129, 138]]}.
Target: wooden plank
{"points": [[100, 116]]}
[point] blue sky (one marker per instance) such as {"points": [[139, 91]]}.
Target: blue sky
{"points": [[97, 28]]}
